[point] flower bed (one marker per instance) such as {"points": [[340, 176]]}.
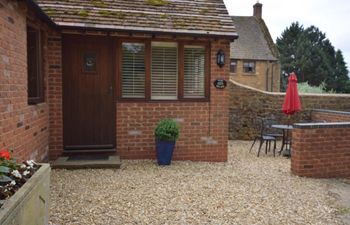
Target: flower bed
{"points": [[24, 191], [13, 175]]}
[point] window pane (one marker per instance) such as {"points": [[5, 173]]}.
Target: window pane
{"points": [[133, 70], [249, 67], [32, 42], [35, 84], [233, 66], [194, 72], [164, 70]]}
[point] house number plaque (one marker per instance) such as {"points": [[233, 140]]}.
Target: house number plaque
{"points": [[220, 83]]}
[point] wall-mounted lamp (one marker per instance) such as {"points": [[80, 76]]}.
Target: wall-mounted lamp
{"points": [[220, 58]]}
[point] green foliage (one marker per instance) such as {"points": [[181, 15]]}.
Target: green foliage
{"points": [[311, 55], [167, 130], [306, 88], [6, 165]]}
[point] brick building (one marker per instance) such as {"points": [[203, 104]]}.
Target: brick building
{"points": [[97, 76], [254, 56]]}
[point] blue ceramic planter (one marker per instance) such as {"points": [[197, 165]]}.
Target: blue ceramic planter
{"points": [[165, 151]]}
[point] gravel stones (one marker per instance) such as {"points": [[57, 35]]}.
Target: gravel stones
{"points": [[245, 190]]}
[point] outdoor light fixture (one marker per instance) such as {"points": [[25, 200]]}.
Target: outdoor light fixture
{"points": [[220, 58]]}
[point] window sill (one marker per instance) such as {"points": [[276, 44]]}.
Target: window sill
{"points": [[123, 100], [36, 101]]}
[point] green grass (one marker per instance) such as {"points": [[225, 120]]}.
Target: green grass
{"points": [[306, 88]]}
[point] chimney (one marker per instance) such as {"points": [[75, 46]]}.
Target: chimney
{"points": [[257, 10]]}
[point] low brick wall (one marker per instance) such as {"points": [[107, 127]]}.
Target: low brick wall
{"points": [[321, 150], [247, 103], [329, 115]]}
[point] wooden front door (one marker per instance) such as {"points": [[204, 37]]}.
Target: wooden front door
{"points": [[88, 93]]}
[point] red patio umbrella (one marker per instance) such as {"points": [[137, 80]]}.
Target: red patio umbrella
{"points": [[291, 102]]}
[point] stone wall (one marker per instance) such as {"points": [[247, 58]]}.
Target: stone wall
{"points": [[247, 103]]}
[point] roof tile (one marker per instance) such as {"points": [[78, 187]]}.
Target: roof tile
{"points": [[253, 42], [207, 17]]}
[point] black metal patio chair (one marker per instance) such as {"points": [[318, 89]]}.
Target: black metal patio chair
{"points": [[262, 137], [269, 130]]}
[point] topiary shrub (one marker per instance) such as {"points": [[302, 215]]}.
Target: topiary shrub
{"points": [[167, 130]]}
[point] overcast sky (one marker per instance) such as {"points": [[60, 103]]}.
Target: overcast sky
{"points": [[331, 17]]}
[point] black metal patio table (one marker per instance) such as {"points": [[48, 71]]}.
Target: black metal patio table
{"points": [[287, 138]]}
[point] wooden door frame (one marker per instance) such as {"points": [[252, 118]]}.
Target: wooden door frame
{"points": [[112, 44]]}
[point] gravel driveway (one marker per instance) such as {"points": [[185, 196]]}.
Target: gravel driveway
{"points": [[245, 190]]}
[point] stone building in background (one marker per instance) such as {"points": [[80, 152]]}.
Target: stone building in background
{"points": [[254, 56]]}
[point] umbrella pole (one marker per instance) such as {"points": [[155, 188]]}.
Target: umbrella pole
{"points": [[288, 121]]}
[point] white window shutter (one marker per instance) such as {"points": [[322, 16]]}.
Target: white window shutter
{"points": [[164, 71], [194, 72], [133, 70]]}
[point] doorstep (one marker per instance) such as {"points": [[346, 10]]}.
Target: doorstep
{"points": [[87, 162]]}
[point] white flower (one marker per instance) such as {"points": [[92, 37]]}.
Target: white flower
{"points": [[23, 166], [31, 163], [16, 174], [25, 173], [13, 183]]}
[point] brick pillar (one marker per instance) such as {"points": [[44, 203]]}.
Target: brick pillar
{"points": [[55, 95], [219, 101]]}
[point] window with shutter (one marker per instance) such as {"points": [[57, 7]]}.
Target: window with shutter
{"points": [[34, 60], [194, 71], [133, 70], [164, 71]]}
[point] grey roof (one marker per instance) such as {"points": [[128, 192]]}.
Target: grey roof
{"points": [[191, 17], [254, 40]]}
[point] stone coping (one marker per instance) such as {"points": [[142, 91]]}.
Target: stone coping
{"points": [[331, 111], [321, 125], [283, 93]]}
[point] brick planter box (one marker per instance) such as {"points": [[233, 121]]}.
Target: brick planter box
{"points": [[30, 204]]}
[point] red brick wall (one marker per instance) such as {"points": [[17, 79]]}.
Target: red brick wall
{"points": [[321, 151], [23, 128], [330, 116], [55, 94], [204, 125]]}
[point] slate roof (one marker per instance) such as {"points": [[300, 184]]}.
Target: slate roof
{"points": [[254, 40], [192, 17]]}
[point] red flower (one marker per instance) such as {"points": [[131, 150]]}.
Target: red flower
{"points": [[5, 154]]}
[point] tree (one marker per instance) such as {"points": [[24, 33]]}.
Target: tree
{"points": [[312, 56]]}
